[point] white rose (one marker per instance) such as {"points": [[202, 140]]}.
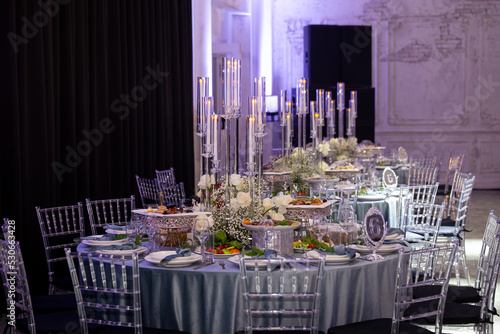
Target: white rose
{"points": [[323, 165], [282, 201], [236, 181], [276, 216], [267, 203], [242, 200], [206, 181], [202, 219], [323, 148]]}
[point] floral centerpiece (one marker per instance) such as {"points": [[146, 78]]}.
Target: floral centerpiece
{"points": [[245, 203], [303, 164], [342, 148]]}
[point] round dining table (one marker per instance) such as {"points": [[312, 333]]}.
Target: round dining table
{"points": [[208, 300]]}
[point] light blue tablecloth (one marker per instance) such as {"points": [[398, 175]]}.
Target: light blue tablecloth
{"points": [[388, 207], [209, 300]]}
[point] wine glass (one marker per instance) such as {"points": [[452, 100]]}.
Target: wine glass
{"points": [[347, 218], [320, 227], [268, 231], [201, 230], [151, 229]]}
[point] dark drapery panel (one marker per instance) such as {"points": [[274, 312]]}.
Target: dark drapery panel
{"points": [[93, 93]]}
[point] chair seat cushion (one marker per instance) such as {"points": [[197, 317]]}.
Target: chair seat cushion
{"points": [[447, 231], [456, 294], [53, 303], [454, 313], [383, 325], [447, 222]]}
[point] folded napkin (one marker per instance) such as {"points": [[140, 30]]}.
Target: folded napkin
{"points": [[269, 254], [180, 252], [338, 250], [394, 230], [105, 237], [116, 227], [125, 246], [397, 241]]}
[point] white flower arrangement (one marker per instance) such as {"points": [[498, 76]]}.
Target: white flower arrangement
{"points": [[206, 181], [302, 164], [323, 148], [342, 148]]}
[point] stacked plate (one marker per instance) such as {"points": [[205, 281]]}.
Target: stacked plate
{"points": [[331, 259], [261, 264], [383, 250], [126, 252], [185, 261]]}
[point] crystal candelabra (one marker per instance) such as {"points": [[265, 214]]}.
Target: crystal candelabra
{"points": [[341, 107]]}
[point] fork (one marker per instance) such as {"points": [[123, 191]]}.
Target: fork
{"points": [[222, 264]]}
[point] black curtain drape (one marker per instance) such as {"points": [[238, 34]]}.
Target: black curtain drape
{"points": [[93, 92]]}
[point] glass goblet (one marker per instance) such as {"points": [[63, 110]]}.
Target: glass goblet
{"points": [[268, 231], [201, 230], [320, 227]]}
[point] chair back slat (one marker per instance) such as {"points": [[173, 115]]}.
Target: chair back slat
{"points": [[423, 220], [116, 211], [454, 164], [422, 175], [416, 268], [460, 195], [108, 291], [13, 272], [278, 298], [424, 194], [149, 192], [59, 226]]}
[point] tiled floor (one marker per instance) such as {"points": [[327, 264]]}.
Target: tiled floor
{"points": [[482, 202]]}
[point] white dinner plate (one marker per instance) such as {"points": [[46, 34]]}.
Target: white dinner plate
{"points": [[223, 256], [261, 264], [103, 242], [171, 215], [275, 228], [156, 258], [138, 250], [311, 207], [383, 250], [371, 197], [332, 259], [111, 231], [394, 236]]}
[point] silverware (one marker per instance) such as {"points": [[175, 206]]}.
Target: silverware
{"points": [[222, 264], [203, 265]]}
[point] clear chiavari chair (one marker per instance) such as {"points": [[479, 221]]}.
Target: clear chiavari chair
{"points": [[425, 194], [116, 211], [108, 293], [453, 227], [486, 278], [346, 196], [455, 163], [416, 268], [283, 299], [59, 227], [422, 175], [421, 223], [149, 191], [173, 192], [166, 177], [31, 314]]}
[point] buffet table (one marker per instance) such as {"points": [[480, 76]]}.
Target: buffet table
{"points": [[209, 301]]}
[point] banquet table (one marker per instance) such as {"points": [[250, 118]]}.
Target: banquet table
{"points": [[209, 300]]}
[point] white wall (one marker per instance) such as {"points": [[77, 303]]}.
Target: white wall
{"points": [[434, 69]]}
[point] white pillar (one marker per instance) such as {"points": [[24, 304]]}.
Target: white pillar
{"points": [[262, 43], [202, 61]]}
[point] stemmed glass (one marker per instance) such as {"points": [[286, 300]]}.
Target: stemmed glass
{"points": [[151, 229], [347, 218], [320, 227], [201, 230], [268, 231]]}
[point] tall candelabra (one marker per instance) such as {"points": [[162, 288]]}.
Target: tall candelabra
{"points": [[330, 115], [352, 114], [231, 104], [302, 109], [340, 107]]}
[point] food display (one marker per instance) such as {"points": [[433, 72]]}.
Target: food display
{"points": [[307, 201], [222, 246], [170, 211], [348, 166], [276, 223]]}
